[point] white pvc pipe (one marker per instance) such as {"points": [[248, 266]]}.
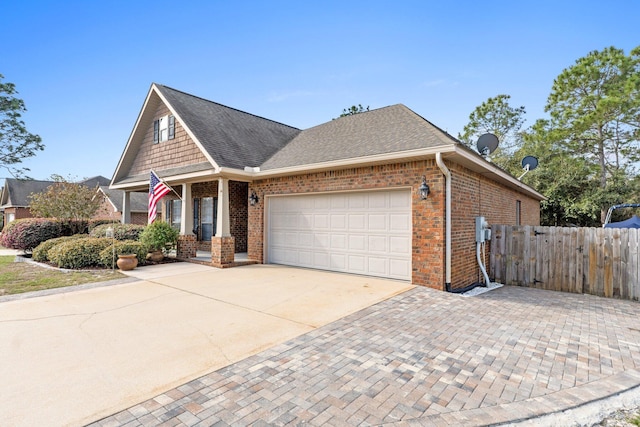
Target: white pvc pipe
{"points": [[447, 260], [487, 282]]}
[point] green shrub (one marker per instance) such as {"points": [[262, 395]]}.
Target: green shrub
{"points": [[159, 235], [26, 234], [78, 253], [41, 252], [120, 231], [124, 247]]}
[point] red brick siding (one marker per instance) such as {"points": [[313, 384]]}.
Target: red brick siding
{"points": [[180, 151], [473, 195], [428, 223], [238, 203]]}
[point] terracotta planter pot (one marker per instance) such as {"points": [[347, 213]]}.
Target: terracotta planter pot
{"points": [[127, 262], [155, 256]]}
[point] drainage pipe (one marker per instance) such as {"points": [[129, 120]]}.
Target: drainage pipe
{"points": [[447, 260]]}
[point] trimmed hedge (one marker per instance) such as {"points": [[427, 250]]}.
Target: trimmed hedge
{"points": [[79, 253], [120, 231], [41, 252], [124, 247], [25, 234]]}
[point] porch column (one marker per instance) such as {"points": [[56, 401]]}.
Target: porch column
{"points": [[126, 208], [222, 225], [186, 216], [186, 247], [223, 244]]}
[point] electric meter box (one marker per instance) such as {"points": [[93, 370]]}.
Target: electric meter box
{"points": [[483, 232]]}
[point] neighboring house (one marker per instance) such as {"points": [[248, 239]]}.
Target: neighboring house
{"points": [[111, 207], [15, 196], [341, 196]]}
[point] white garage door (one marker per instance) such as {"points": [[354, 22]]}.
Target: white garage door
{"points": [[361, 232]]}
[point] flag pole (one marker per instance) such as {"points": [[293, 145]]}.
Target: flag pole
{"points": [[164, 182]]}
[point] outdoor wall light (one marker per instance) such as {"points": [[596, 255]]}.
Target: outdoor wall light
{"points": [[253, 198], [424, 189]]}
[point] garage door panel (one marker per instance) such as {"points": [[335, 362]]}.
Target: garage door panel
{"points": [[360, 232], [357, 243], [399, 268], [339, 222], [357, 222], [377, 244], [378, 266], [338, 241], [399, 245], [357, 264], [399, 222], [377, 200]]}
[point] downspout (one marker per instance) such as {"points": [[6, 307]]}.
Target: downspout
{"points": [[447, 260]]}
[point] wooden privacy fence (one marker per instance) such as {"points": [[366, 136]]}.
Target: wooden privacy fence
{"points": [[597, 261]]}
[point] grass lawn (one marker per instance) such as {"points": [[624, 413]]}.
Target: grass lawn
{"points": [[19, 277]]}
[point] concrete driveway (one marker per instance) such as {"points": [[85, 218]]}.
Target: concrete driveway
{"points": [[74, 357]]}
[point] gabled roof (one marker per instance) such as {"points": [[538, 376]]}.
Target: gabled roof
{"points": [[233, 138], [16, 192], [139, 201], [386, 130], [96, 181]]}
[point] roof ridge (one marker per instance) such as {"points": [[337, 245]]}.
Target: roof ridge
{"points": [[456, 140], [225, 106]]}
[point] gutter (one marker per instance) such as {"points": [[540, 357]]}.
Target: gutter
{"points": [[447, 262]]}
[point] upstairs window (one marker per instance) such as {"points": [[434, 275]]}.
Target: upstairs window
{"points": [[164, 129]]}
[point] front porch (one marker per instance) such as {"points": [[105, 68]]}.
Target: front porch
{"points": [[204, 258]]}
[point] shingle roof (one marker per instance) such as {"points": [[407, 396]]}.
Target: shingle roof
{"points": [[386, 130], [17, 191], [95, 181], [233, 138], [139, 201]]}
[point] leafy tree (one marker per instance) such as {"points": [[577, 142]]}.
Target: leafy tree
{"points": [[16, 143], [565, 180], [65, 200], [497, 116], [354, 110], [595, 109]]}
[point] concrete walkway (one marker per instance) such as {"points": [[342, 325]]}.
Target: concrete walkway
{"points": [[424, 358], [71, 358]]}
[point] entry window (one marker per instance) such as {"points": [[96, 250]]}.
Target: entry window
{"points": [[518, 212], [173, 213], [207, 218]]}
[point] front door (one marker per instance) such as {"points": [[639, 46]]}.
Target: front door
{"points": [[205, 213]]}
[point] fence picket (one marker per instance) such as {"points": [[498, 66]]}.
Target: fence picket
{"points": [[598, 261]]}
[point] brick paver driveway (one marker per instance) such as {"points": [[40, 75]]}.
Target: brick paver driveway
{"points": [[423, 358]]}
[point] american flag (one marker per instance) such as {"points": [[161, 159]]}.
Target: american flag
{"points": [[157, 190]]}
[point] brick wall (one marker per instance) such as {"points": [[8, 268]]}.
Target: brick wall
{"points": [[180, 151], [473, 195], [238, 203], [428, 244]]}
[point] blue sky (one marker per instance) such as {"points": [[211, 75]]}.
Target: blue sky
{"points": [[83, 68]]}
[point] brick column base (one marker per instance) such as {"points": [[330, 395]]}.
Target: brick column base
{"points": [[223, 251], [186, 247]]}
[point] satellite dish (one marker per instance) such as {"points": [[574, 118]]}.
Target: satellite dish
{"points": [[487, 144], [529, 163]]}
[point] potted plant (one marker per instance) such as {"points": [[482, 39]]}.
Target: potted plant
{"points": [[157, 236]]}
